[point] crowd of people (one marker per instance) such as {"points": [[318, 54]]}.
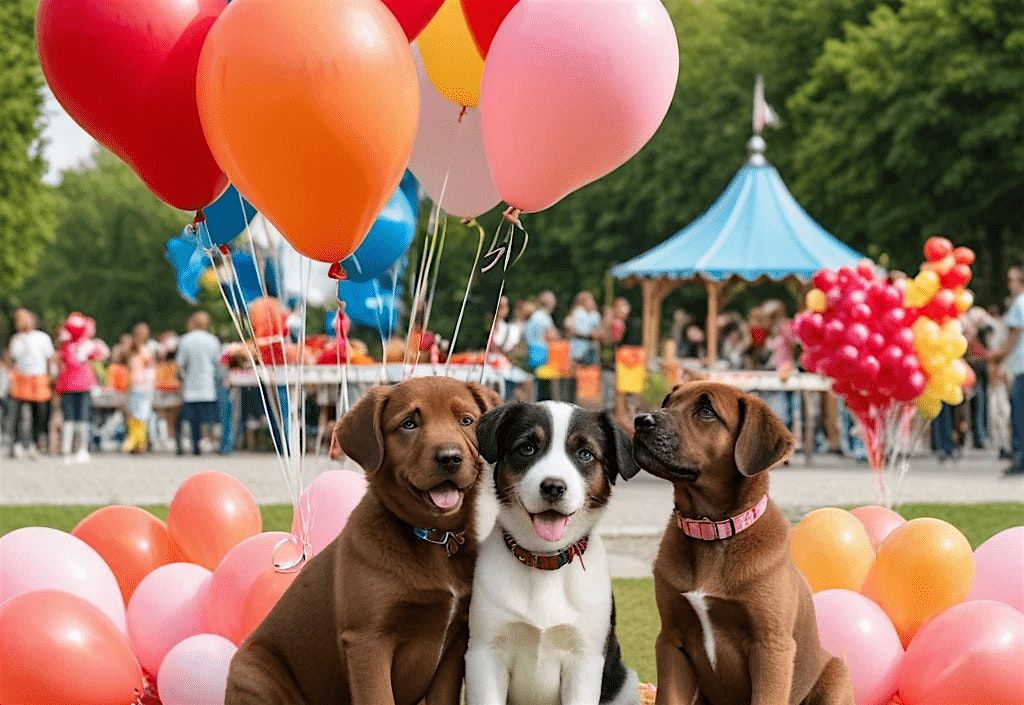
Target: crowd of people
{"points": [[47, 383]]}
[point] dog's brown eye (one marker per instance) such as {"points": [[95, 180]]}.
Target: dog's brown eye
{"points": [[584, 455], [527, 449], [409, 423], [467, 420], [706, 412]]}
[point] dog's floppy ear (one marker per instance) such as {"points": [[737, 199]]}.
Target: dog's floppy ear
{"points": [[359, 432], [486, 398], [763, 440], [619, 451], [488, 430]]}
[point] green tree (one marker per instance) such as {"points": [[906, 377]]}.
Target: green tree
{"points": [[108, 258], [912, 125], [26, 204]]}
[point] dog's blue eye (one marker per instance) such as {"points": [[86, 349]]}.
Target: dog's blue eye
{"points": [[527, 449], [467, 420], [584, 455], [409, 423]]}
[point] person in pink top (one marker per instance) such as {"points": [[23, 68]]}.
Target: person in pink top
{"points": [[75, 381]]}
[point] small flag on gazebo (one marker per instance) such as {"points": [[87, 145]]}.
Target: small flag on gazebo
{"points": [[764, 114]]}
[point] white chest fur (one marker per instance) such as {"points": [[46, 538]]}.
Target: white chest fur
{"points": [[699, 601]]}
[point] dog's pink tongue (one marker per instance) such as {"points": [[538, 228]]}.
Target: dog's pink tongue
{"points": [[445, 496], [550, 526]]}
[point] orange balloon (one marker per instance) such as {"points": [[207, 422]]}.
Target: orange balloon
{"points": [[132, 541], [923, 568], [210, 514], [57, 648], [878, 521], [832, 549], [311, 109], [264, 593], [267, 316]]}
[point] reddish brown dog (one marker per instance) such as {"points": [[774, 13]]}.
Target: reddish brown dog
{"points": [[380, 616], [737, 621]]}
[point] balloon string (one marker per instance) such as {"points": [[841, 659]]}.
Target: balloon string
{"points": [[418, 300], [437, 269], [511, 216], [420, 275], [465, 297]]}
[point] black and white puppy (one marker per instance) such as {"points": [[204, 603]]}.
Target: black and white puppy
{"points": [[542, 619]]}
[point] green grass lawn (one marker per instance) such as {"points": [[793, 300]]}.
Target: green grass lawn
{"points": [[637, 613]]}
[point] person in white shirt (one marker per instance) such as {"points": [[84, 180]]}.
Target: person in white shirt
{"points": [[1011, 356], [29, 354], [198, 361]]}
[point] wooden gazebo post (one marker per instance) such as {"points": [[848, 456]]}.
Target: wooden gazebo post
{"points": [[654, 292], [711, 326]]}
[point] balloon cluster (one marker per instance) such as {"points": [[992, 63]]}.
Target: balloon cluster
{"points": [[857, 331], [316, 128], [909, 608], [126, 606], [938, 295]]}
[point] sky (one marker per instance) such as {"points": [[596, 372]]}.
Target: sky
{"points": [[67, 144]]}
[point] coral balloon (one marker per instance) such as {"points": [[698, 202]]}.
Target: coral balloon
{"points": [[856, 630], [971, 654], [571, 91], [484, 17], [312, 114], [832, 549], [922, 568], [413, 15], [264, 593], [195, 671], [132, 541], [210, 514], [168, 606], [58, 648], [879, 522], [450, 56], [449, 155], [38, 558], [267, 316], [328, 502], [999, 569], [935, 248], [127, 74], [233, 578]]}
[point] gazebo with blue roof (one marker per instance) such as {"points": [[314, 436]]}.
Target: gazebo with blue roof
{"points": [[754, 231]]}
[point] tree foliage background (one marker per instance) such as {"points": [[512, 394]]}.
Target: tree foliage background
{"points": [[901, 119]]}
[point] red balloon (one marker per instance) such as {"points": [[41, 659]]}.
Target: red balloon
{"points": [[834, 296], [904, 339], [484, 17], [810, 359], [893, 297], [892, 357], [825, 279], [936, 248], [835, 332], [58, 648], [894, 321], [957, 276], [866, 269], [869, 367], [942, 307], [126, 72], [964, 255], [909, 364], [877, 342], [413, 15], [858, 335], [210, 514]]}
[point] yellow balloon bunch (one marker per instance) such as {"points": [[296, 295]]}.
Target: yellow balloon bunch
{"points": [[940, 349], [815, 300], [922, 288]]}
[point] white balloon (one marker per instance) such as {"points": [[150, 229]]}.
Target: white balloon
{"points": [[195, 671]]}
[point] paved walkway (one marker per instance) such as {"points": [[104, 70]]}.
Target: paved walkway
{"points": [[635, 519]]}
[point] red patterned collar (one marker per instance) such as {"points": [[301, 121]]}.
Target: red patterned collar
{"points": [[707, 530], [548, 562]]}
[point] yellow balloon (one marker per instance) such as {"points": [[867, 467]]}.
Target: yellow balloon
{"points": [[964, 300], [928, 406], [832, 549], [914, 296], [815, 300], [926, 328], [929, 282], [933, 362], [450, 57], [953, 395], [954, 347]]}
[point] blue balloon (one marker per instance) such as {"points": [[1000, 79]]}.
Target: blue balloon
{"points": [[388, 240], [411, 188], [364, 307], [189, 262], [226, 217]]}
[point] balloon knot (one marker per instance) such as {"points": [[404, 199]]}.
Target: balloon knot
{"points": [[512, 215], [462, 113], [468, 221], [224, 250], [337, 272], [200, 218]]}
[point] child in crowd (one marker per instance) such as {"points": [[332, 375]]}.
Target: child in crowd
{"points": [[75, 382], [141, 390]]}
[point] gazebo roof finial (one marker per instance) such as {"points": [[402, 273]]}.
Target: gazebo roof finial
{"points": [[764, 115]]}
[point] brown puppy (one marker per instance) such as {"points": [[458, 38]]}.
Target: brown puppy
{"points": [[380, 615], [737, 621]]}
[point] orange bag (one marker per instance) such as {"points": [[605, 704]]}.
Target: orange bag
{"points": [[117, 377], [630, 369], [588, 383], [558, 357], [167, 377], [33, 388]]}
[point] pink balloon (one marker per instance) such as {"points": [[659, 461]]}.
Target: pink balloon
{"points": [[168, 605], [879, 522], [233, 578], [328, 502], [195, 671], [445, 147], [971, 653], [571, 91], [38, 558], [999, 569], [856, 630]]}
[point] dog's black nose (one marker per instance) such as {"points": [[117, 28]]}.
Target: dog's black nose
{"points": [[644, 422], [552, 489], [449, 458]]}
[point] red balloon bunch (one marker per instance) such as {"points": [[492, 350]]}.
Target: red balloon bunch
{"points": [[858, 332]]}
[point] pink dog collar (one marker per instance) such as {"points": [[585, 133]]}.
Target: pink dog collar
{"points": [[707, 530]]}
